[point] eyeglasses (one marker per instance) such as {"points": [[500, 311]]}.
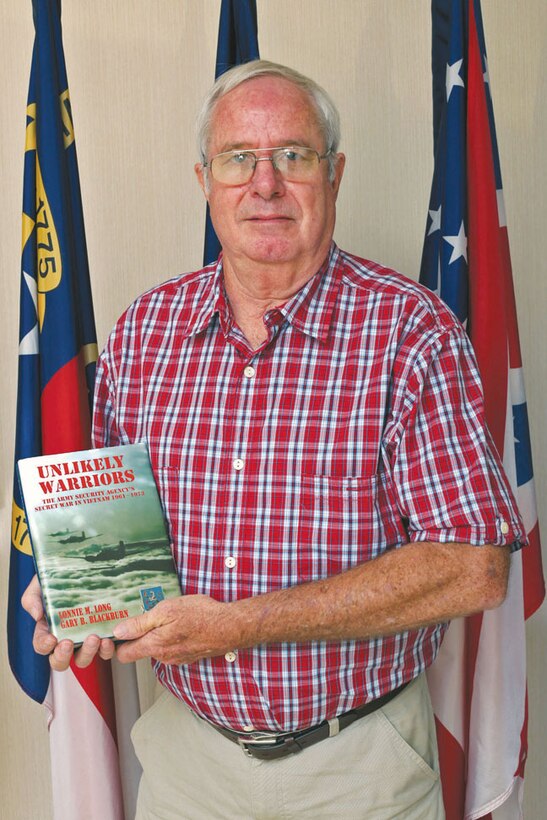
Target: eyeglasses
{"points": [[295, 163]]}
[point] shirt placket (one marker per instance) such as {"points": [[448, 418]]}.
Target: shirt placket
{"points": [[242, 464], [237, 441]]}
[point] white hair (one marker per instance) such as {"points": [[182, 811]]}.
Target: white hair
{"points": [[328, 118]]}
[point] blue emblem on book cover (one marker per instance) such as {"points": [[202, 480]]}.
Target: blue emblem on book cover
{"points": [[151, 596]]}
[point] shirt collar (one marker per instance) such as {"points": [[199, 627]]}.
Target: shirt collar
{"points": [[206, 307], [309, 310]]}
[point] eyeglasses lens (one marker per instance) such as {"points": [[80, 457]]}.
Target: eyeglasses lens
{"points": [[237, 167]]}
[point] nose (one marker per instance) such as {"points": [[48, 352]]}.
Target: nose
{"points": [[266, 181]]}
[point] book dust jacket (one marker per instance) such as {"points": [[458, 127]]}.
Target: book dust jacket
{"points": [[98, 536]]}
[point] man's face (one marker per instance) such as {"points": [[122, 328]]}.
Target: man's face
{"points": [[269, 220]]}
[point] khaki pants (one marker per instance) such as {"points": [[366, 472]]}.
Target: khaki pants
{"points": [[381, 767]]}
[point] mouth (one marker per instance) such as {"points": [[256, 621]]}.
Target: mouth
{"points": [[269, 218]]}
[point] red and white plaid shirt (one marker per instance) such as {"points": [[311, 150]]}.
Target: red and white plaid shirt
{"points": [[356, 427]]}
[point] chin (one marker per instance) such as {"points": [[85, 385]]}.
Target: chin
{"points": [[270, 249]]}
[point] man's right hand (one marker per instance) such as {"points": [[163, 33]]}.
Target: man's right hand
{"points": [[60, 652]]}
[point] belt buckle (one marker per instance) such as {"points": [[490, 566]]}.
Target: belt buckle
{"points": [[256, 740]]}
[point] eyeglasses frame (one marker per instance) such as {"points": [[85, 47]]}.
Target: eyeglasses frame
{"points": [[252, 152]]}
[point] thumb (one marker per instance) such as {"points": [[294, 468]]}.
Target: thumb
{"points": [[133, 628]]}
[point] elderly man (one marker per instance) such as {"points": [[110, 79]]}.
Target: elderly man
{"points": [[315, 425]]}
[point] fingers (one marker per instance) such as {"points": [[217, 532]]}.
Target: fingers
{"points": [[133, 651], [60, 657], [107, 649], [62, 654], [31, 600], [155, 644], [132, 628], [43, 641], [91, 647], [135, 632], [142, 634], [87, 651]]}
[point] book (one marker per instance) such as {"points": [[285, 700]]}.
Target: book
{"points": [[98, 536]]}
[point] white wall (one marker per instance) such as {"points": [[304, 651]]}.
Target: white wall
{"points": [[137, 69]]}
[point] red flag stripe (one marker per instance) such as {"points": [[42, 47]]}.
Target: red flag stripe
{"points": [[65, 410], [487, 301], [451, 759]]}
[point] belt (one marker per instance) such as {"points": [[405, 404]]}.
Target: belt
{"points": [[270, 746]]}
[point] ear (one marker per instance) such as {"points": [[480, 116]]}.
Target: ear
{"points": [[201, 175], [338, 172]]}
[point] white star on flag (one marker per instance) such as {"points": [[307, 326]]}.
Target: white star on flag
{"points": [[435, 220], [453, 77], [459, 245]]}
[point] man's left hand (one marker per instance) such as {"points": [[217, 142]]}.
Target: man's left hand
{"points": [[177, 631]]}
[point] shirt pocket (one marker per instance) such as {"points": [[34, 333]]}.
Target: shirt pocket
{"points": [[339, 524]]}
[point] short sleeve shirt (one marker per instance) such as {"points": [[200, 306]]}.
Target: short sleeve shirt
{"points": [[357, 427]]}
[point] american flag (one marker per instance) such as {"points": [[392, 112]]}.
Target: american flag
{"points": [[478, 683]]}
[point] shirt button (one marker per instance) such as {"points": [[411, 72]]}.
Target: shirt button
{"points": [[249, 728], [230, 656], [504, 527], [230, 561], [238, 463], [249, 372]]}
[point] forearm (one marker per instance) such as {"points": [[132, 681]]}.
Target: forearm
{"points": [[407, 588], [416, 585]]}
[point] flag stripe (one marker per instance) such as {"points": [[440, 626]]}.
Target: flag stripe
{"points": [[64, 399], [487, 302], [77, 723], [451, 759]]}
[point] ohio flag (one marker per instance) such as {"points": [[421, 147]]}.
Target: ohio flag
{"points": [[57, 354], [237, 43], [478, 683]]}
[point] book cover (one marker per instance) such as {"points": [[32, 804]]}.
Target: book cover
{"points": [[98, 537]]}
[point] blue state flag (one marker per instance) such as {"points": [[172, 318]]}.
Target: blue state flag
{"points": [[57, 355], [57, 341]]}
